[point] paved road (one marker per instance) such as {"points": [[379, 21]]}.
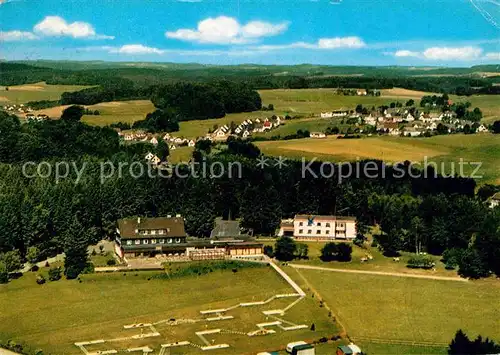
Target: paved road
{"points": [[397, 274]]}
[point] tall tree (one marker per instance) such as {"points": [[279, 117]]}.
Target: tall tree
{"points": [[76, 253]]}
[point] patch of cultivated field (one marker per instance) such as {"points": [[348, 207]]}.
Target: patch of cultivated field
{"points": [[378, 148], [385, 308], [19, 94], [119, 111], [405, 93], [312, 101], [54, 316], [110, 112], [446, 151]]}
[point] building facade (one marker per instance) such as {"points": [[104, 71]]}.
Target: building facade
{"points": [[138, 236], [324, 228]]}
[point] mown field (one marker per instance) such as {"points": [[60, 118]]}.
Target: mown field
{"points": [[19, 94], [55, 315], [446, 151], [393, 310]]}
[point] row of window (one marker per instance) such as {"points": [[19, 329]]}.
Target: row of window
{"points": [[153, 241], [327, 225], [154, 231], [309, 231]]}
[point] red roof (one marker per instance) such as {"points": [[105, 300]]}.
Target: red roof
{"points": [[267, 124]]}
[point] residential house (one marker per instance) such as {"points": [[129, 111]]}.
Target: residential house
{"points": [[245, 134], [412, 132], [340, 113], [482, 129], [191, 143], [361, 92], [154, 141], [317, 135], [138, 236], [350, 349], [152, 159], [324, 228], [410, 118], [494, 200], [326, 114]]}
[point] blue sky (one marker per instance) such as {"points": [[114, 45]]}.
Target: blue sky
{"points": [[336, 32]]}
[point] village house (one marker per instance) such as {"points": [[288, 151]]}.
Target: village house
{"points": [[412, 132], [152, 159], [326, 114], [317, 135], [350, 349], [340, 113], [495, 200], [324, 228], [482, 129], [361, 92]]}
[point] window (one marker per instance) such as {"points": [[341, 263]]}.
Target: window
{"points": [[318, 231], [319, 224], [309, 231], [153, 241], [129, 242], [162, 241], [177, 240], [145, 241], [153, 232], [168, 230], [137, 241], [328, 224], [161, 231], [170, 240], [327, 232], [301, 224], [341, 225], [301, 231]]}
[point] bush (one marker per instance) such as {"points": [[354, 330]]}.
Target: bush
{"points": [[35, 268], [268, 250], [55, 273], [4, 274], [111, 262], [40, 279], [420, 262]]}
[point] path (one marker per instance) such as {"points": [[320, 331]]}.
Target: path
{"points": [[58, 257], [397, 274], [285, 276]]}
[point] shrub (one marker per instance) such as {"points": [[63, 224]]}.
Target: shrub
{"points": [[4, 274], [35, 268], [40, 279], [55, 273], [420, 262], [111, 262]]}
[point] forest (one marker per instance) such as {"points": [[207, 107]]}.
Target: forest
{"points": [[434, 214], [130, 83]]}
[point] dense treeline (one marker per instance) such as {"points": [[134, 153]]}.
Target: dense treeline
{"points": [[204, 101], [257, 77], [433, 214]]}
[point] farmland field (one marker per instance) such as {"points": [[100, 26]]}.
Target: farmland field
{"points": [[484, 148], [55, 315], [389, 309], [19, 94]]}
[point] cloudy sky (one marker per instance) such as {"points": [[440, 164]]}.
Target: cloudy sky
{"points": [[347, 32]]}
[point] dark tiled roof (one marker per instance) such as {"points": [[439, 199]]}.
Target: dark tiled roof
{"points": [[172, 227], [325, 218], [225, 229]]}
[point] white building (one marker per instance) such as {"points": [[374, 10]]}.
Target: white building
{"points": [[326, 114], [309, 227], [317, 135]]}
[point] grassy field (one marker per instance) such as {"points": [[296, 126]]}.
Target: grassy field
{"points": [[181, 154], [388, 309], [443, 150], [378, 263], [55, 315], [19, 94]]}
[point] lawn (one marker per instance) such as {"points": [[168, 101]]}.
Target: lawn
{"points": [[379, 262], [19, 94], [55, 315], [382, 309], [180, 155], [443, 150]]}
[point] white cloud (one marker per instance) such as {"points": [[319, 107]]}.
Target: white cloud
{"points": [[341, 42], [452, 53], [321, 44], [256, 29], [55, 26], [227, 30], [11, 36], [136, 49], [492, 56], [406, 53]]}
